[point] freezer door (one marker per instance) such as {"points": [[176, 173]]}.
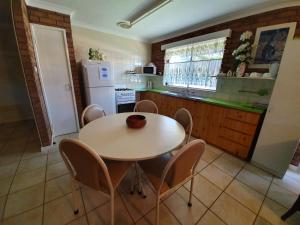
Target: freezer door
{"points": [[103, 96], [98, 74]]}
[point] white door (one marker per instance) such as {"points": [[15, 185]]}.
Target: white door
{"points": [[280, 132], [54, 71]]}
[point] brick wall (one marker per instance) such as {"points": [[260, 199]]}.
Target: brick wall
{"points": [[22, 16], [26, 51], [49, 18], [285, 15]]}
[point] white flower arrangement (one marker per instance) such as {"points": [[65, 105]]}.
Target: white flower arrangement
{"points": [[243, 52], [246, 36]]}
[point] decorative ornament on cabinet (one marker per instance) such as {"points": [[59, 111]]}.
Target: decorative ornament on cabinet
{"points": [[95, 54]]}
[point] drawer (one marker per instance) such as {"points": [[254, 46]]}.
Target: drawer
{"points": [[244, 128], [233, 148], [252, 118], [236, 137]]}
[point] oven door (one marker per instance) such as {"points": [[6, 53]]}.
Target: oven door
{"points": [[127, 107]]}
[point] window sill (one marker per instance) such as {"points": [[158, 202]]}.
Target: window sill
{"points": [[191, 88]]}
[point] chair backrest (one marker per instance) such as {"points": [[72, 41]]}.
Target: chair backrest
{"points": [[184, 117], [85, 165], [182, 165], [146, 106], [91, 113]]}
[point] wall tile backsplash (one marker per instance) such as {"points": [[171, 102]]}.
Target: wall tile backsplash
{"points": [[228, 89]]}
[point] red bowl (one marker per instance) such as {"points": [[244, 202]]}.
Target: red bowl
{"points": [[136, 121]]}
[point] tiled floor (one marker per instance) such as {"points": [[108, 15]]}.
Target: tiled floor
{"points": [[35, 190]]}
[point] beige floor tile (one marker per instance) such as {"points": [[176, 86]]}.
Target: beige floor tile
{"points": [[204, 190], [56, 170], [92, 198], [214, 149], [271, 212], [245, 195], [228, 165], [8, 170], [201, 165], [282, 195], [5, 185], [31, 217], [80, 221], [32, 163], [138, 206], [259, 172], [232, 212], [10, 157], [15, 145], [254, 181], [27, 179], [60, 211], [58, 187], [177, 204], [54, 157], [261, 221], [289, 183], [216, 176], [24, 200], [101, 215], [210, 219], [165, 217], [33, 149], [209, 155], [2, 203]]}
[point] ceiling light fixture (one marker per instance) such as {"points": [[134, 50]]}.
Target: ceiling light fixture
{"points": [[128, 24]]}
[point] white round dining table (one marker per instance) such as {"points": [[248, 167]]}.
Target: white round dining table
{"points": [[110, 137]]}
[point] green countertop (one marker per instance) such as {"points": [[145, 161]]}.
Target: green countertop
{"points": [[228, 104]]}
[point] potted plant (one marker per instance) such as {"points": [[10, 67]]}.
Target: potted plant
{"points": [[242, 55], [95, 54]]}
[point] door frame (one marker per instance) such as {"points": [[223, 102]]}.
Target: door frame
{"points": [[32, 25]]}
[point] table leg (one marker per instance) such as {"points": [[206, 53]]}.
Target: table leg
{"points": [[137, 177]]}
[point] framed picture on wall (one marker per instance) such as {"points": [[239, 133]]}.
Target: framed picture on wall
{"points": [[269, 44]]}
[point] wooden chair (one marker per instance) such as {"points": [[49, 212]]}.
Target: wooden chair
{"points": [[146, 106], [184, 117], [91, 113], [87, 167], [167, 173]]}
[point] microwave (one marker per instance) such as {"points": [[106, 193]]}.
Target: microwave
{"points": [[149, 69]]}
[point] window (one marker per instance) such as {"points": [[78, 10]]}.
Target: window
{"points": [[194, 65]]}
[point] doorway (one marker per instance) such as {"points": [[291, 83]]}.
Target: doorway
{"points": [[54, 70]]}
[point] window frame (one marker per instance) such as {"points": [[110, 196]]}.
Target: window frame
{"points": [[211, 36]]}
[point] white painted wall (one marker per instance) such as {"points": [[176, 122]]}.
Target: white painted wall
{"points": [[124, 54]]}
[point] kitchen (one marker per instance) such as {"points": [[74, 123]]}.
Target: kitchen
{"points": [[247, 112]]}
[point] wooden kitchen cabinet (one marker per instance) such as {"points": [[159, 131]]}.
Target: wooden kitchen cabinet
{"points": [[229, 129]]}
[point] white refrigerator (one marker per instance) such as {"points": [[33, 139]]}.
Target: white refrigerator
{"points": [[99, 88], [280, 132]]}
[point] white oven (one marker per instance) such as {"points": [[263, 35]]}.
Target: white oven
{"points": [[125, 99]]}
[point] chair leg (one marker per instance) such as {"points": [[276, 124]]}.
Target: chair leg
{"points": [[112, 209], [74, 196], [157, 211], [292, 210], [191, 192]]}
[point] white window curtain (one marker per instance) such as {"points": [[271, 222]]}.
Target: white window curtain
{"points": [[194, 65]]}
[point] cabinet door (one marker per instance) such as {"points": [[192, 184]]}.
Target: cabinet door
{"points": [[215, 119]]}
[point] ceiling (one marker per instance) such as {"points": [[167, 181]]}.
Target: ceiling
{"points": [[180, 16]]}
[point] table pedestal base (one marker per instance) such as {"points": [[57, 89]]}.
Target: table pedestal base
{"points": [[136, 182]]}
